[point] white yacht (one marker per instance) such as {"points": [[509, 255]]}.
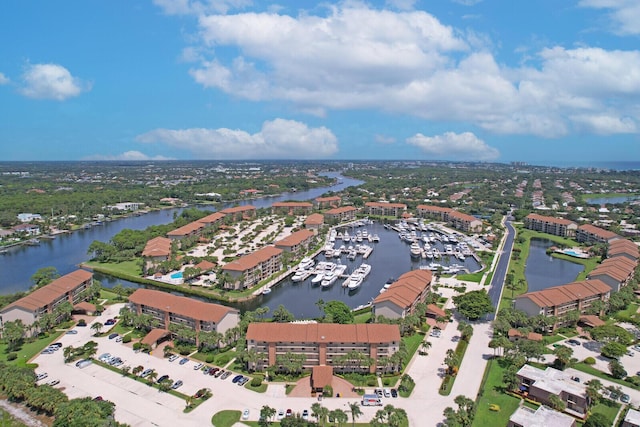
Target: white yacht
{"points": [[328, 279], [306, 263], [355, 280], [416, 251]]}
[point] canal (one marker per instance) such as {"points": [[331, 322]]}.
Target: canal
{"points": [[67, 251], [543, 271]]}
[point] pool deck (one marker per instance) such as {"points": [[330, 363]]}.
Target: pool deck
{"points": [[574, 252]]}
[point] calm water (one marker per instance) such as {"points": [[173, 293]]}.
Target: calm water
{"points": [[66, 252], [543, 271], [612, 200], [390, 258]]}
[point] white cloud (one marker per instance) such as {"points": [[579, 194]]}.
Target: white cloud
{"points": [[410, 63], [467, 2], [605, 124], [51, 81], [382, 139], [4, 79], [401, 4], [196, 7], [454, 146], [624, 15], [127, 155], [278, 139]]}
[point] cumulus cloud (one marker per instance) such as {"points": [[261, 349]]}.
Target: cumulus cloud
{"points": [[624, 14], [454, 146], [278, 139], [51, 81], [408, 62], [127, 155], [4, 79]]}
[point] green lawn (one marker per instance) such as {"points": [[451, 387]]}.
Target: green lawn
{"points": [[226, 418], [7, 420], [412, 343], [605, 376], [29, 349], [492, 393], [362, 317], [607, 408], [472, 277], [129, 268]]}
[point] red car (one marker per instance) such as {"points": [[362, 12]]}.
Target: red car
{"points": [[212, 371], [289, 413]]}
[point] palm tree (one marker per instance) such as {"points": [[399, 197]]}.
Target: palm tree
{"points": [[339, 416], [451, 360], [425, 346], [97, 327], [356, 412], [152, 377], [67, 352], [267, 412], [137, 370]]}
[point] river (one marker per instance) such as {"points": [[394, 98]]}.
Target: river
{"points": [[67, 251], [543, 271]]}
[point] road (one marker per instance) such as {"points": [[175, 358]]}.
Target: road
{"points": [[502, 266]]}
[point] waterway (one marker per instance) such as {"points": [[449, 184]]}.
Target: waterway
{"points": [[390, 259], [67, 251], [612, 200], [543, 271]]}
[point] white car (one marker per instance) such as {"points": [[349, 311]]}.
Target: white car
{"points": [[245, 414], [173, 357], [280, 414], [53, 382], [41, 376], [198, 366]]}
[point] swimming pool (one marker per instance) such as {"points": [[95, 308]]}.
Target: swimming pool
{"points": [[177, 275]]}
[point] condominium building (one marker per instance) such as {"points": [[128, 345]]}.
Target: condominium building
{"points": [[623, 248], [385, 209], [631, 419], [238, 213], [588, 233], [167, 309], [550, 225], [403, 295], [326, 344], [196, 228], [456, 219], [616, 272], [156, 251], [557, 301], [29, 309], [328, 202], [250, 269], [314, 222], [540, 385], [338, 215], [540, 417], [292, 208], [297, 243]]}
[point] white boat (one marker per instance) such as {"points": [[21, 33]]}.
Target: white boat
{"points": [[318, 278], [300, 275], [416, 251], [375, 238], [355, 280], [329, 279], [306, 263], [364, 270], [345, 236], [436, 253], [266, 291]]}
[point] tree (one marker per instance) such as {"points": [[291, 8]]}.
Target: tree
{"points": [[282, 315], [597, 419], [339, 416], [613, 350], [96, 327], [119, 290], [612, 333], [463, 416], [356, 412], [337, 312], [424, 347], [474, 305], [267, 412], [13, 333], [466, 330], [563, 356], [556, 403], [43, 276], [510, 378], [593, 392], [617, 370], [452, 360]]}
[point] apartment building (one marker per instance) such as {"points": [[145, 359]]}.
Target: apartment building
{"points": [[29, 309], [557, 301], [540, 385], [341, 214], [292, 208], [588, 233], [403, 295], [456, 219], [250, 269], [239, 213], [297, 243], [616, 272], [623, 248], [325, 344], [314, 222], [156, 251], [328, 202], [631, 419], [542, 416], [168, 309], [385, 209], [550, 225]]}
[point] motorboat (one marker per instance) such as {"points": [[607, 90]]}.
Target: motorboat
{"points": [[266, 291], [355, 280], [415, 250], [306, 263], [329, 279]]}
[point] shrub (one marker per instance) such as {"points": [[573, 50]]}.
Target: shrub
{"points": [[255, 382], [82, 322], [223, 360], [127, 338], [371, 382], [386, 381], [137, 345], [590, 361], [12, 356], [210, 358], [327, 391]]}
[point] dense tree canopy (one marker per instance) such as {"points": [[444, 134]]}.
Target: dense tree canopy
{"points": [[473, 305]]}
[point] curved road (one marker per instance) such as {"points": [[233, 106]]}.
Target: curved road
{"points": [[500, 272]]}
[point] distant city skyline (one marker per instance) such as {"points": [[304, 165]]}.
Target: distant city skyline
{"points": [[545, 82]]}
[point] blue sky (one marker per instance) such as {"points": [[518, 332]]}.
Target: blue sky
{"points": [[545, 81]]}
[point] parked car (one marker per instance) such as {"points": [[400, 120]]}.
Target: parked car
{"points": [[184, 360], [394, 392], [625, 398], [112, 336], [104, 357], [573, 342], [244, 380], [198, 366], [280, 414], [629, 353], [226, 375], [177, 384], [173, 357], [213, 371], [41, 376], [289, 413], [378, 391], [119, 339], [435, 333], [146, 372], [245, 414], [53, 382], [219, 373], [47, 351], [110, 322], [305, 414], [56, 344], [98, 399], [83, 363], [71, 332], [237, 378], [386, 392], [162, 378]]}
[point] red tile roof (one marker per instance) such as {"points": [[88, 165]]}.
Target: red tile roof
{"points": [[159, 246], [295, 238], [596, 231], [386, 205], [253, 259], [407, 289], [373, 333], [53, 291], [342, 209], [183, 306], [292, 205], [237, 209], [314, 219], [563, 294], [321, 376], [561, 221]]}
